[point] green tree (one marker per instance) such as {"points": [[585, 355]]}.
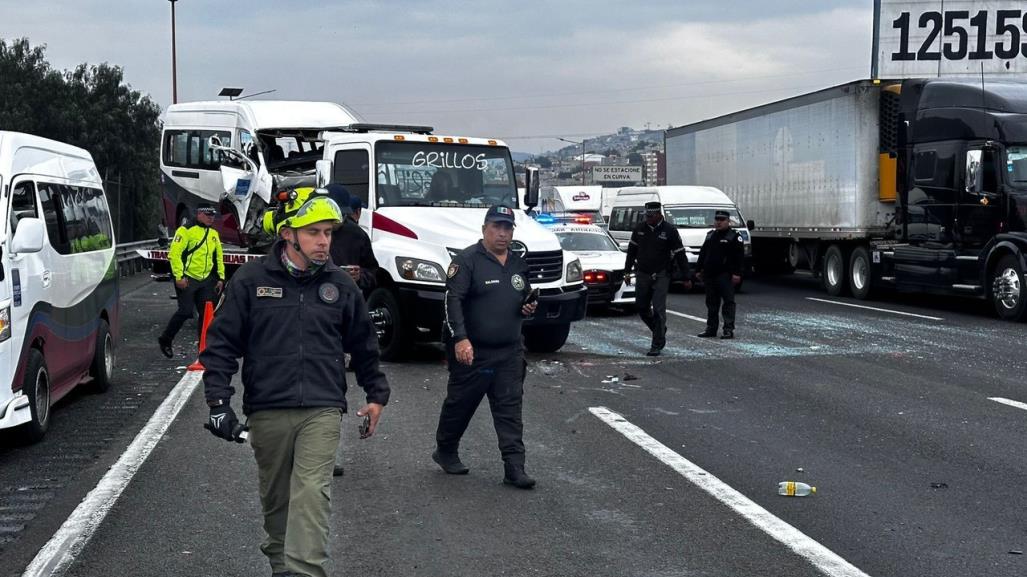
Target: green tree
{"points": [[91, 107], [635, 159]]}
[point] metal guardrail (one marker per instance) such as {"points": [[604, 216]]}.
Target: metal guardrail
{"points": [[129, 260]]}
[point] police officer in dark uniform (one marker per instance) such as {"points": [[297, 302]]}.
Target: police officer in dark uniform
{"points": [[656, 249], [487, 296], [720, 268]]}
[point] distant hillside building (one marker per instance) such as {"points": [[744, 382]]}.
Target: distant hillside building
{"points": [[654, 168]]}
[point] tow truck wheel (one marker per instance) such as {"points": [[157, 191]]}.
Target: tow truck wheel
{"points": [[388, 321], [1007, 289], [36, 387], [102, 369], [546, 338], [860, 277], [834, 271]]}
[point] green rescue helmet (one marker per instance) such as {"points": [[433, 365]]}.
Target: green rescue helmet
{"points": [[301, 207]]}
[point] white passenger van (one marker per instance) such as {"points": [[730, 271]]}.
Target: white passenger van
{"points": [[689, 208], [58, 279], [582, 202]]}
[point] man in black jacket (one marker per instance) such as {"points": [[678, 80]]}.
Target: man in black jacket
{"points": [[655, 248], [720, 264], [291, 317], [351, 247], [485, 304]]}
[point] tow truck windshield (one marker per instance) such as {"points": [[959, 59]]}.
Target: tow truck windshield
{"points": [[428, 174]]}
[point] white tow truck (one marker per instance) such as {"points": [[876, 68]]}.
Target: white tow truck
{"points": [[426, 198]]}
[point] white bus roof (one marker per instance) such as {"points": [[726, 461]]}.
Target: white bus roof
{"points": [[22, 153], [260, 114], [669, 195]]}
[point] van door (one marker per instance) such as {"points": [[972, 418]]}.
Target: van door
{"points": [[30, 279]]}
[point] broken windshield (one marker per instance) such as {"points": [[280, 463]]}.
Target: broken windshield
{"points": [[429, 174]]}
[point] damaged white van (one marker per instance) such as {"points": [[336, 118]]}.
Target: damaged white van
{"points": [[58, 279]]}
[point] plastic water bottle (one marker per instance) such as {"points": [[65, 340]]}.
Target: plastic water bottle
{"points": [[794, 489]]}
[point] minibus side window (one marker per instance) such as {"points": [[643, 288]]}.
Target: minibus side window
{"points": [[23, 203], [55, 230]]}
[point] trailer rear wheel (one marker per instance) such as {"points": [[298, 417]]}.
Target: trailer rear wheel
{"points": [[1007, 289], [860, 273], [384, 311], [834, 270]]}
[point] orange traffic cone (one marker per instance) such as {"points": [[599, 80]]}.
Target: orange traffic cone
{"points": [[208, 316]]}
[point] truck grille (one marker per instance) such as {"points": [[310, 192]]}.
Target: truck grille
{"points": [[544, 267]]}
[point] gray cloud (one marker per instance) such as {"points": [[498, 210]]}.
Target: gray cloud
{"points": [[480, 68]]}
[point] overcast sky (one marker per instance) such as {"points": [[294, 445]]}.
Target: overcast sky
{"points": [[522, 71]]}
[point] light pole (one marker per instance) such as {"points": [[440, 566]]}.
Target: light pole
{"points": [[582, 143], [174, 59]]}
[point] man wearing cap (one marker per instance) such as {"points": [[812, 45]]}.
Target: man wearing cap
{"points": [[486, 300], [198, 267], [720, 264], [655, 248], [351, 247]]}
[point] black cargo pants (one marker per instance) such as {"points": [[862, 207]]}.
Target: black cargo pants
{"points": [[651, 300], [191, 297], [498, 374], [719, 289]]}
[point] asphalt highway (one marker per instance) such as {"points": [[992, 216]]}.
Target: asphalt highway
{"points": [[908, 417]]}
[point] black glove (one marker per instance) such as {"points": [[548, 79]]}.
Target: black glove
{"points": [[224, 424]]}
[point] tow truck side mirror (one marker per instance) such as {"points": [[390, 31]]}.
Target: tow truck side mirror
{"points": [[324, 172], [750, 224], [531, 187]]}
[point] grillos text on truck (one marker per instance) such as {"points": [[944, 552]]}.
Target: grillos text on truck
{"points": [[919, 184], [426, 197]]}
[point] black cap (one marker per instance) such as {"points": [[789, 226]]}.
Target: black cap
{"points": [[500, 213], [340, 195], [721, 214], [206, 208], [653, 206]]}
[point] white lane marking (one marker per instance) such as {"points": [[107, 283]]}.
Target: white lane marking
{"points": [[1009, 402], [59, 553], [875, 309], [684, 316], [821, 557]]}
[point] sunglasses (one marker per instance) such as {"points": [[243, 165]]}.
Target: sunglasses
{"points": [[720, 218]]}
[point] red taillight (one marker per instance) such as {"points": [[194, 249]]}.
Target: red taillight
{"points": [[595, 277], [386, 224]]}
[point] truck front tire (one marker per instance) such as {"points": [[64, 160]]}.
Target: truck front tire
{"points": [[546, 338], [835, 271], [393, 341], [1007, 289]]}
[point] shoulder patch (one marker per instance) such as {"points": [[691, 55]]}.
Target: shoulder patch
{"points": [[269, 292], [453, 268]]}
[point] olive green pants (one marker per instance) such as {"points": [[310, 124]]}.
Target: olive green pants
{"points": [[295, 451]]}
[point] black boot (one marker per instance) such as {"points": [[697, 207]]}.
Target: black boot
{"points": [[728, 334], [707, 334], [516, 476], [450, 463], [165, 346], [338, 471]]}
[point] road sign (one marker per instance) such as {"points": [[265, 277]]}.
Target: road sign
{"points": [[622, 174]]}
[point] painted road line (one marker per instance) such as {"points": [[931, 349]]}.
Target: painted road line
{"points": [[59, 553], [684, 316], [821, 557], [1009, 402], [875, 309]]}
